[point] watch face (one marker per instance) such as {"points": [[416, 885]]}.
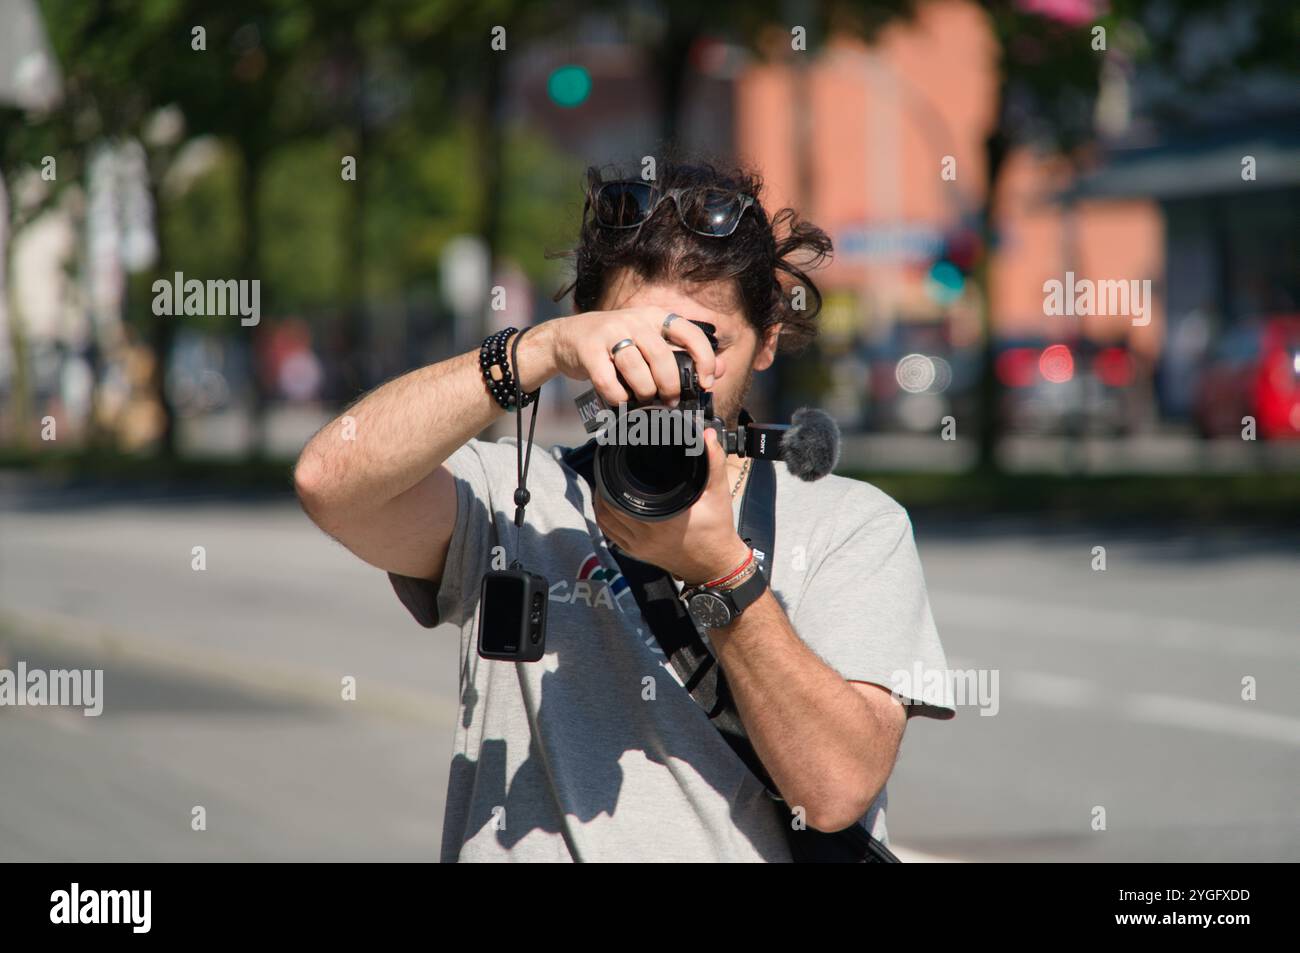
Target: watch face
{"points": [[710, 610]]}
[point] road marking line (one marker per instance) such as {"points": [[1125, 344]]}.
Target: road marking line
{"points": [[1065, 691], [106, 645], [1058, 691], [1211, 716], [1056, 620], [909, 856]]}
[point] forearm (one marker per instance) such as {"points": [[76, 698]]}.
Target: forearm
{"points": [[824, 745], [401, 432]]}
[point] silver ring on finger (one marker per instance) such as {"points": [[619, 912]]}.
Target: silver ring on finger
{"points": [[626, 342], [667, 321]]}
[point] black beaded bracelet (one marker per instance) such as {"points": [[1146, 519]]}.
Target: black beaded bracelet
{"points": [[494, 361]]}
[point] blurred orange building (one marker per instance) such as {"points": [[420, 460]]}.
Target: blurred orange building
{"points": [[892, 136]]}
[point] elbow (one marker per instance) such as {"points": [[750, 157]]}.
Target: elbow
{"points": [[830, 818], [843, 806], [309, 482]]}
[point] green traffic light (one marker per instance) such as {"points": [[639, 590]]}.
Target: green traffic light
{"points": [[945, 282], [569, 86]]}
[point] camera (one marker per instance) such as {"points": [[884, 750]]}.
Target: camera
{"points": [[650, 459], [512, 620]]}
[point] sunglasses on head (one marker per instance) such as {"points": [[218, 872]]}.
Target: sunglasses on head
{"points": [[714, 213]]}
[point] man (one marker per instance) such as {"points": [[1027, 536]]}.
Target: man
{"points": [[597, 752]]}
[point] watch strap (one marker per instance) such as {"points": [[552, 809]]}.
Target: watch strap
{"points": [[738, 598], [746, 594]]}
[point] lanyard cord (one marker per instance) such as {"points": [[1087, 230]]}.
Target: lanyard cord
{"points": [[521, 461]]}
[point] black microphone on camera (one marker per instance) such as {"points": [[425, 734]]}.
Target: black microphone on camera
{"points": [[809, 445]]}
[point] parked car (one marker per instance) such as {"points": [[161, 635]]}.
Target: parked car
{"points": [[1052, 387], [1253, 371]]}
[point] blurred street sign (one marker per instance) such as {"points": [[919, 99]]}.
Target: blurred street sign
{"points": [[840, 319], [465, 265], [901, 243], [29, 74]]}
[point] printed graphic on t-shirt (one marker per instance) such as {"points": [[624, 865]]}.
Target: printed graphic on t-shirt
{"points": [[594, 586]]}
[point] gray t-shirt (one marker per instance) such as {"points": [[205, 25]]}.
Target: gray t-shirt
{"points": [[597, 752]]}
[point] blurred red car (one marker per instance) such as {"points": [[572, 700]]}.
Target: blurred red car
{"points": [[1253, 371], [1061, 388]]}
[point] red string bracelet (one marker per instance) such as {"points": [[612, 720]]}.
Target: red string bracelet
{"points": [[731, 575]]}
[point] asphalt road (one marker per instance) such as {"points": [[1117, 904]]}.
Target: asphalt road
{"points": [[1118, 690]]}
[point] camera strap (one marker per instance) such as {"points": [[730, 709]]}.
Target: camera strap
{"points": [[664, 612]]}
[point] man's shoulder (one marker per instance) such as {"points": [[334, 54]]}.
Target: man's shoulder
{"points": [[502, 455], [506, 449], [844, 498], [489, 449], [494, 464]]}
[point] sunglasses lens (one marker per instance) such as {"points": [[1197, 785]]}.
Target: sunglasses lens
{"points": [[711, 211], [622, 204]]}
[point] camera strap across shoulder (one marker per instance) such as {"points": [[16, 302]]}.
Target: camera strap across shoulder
{"points": [[666, 615]]}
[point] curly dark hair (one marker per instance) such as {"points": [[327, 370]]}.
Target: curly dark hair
{"points": [[765, 257]]}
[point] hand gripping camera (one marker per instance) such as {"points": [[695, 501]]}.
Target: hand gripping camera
{"points": [[650, 458]]}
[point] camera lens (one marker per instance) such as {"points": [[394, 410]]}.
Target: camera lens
{"points": [[651, 481], [655, 479], [651, 470]]}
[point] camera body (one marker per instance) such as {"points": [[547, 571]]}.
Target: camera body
{"points": [[512, 615], [655, 465]]}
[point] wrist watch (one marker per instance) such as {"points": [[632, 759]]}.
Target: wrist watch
{"points": [[716, 606]]}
